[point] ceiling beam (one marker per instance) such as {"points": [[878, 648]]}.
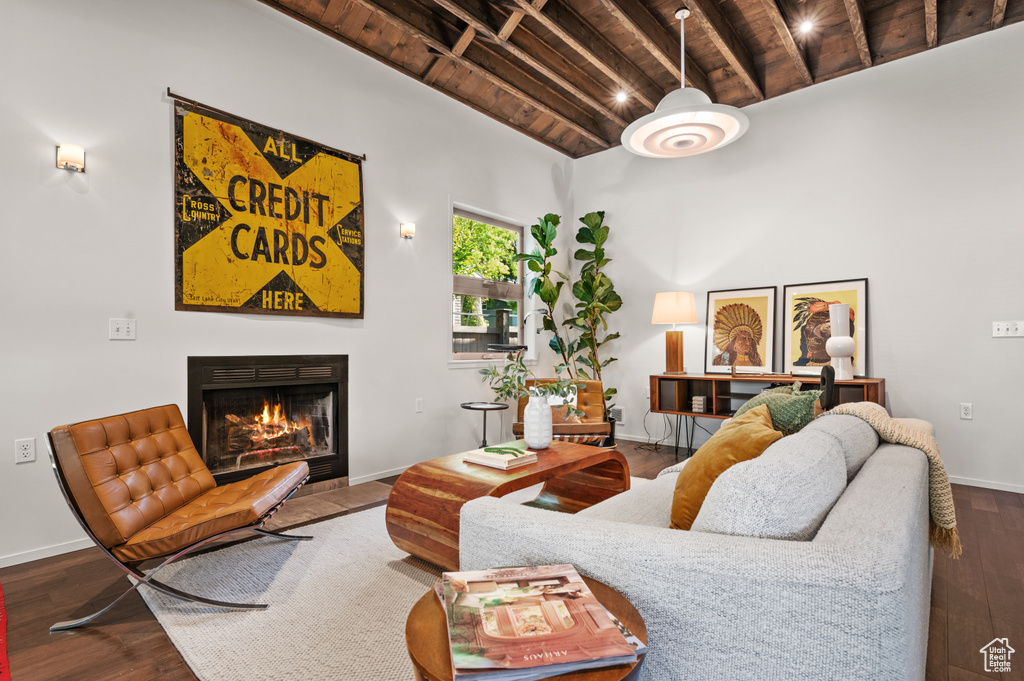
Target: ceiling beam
{"points": [[467, 37], [931, 22], [796, 52], [577, 33], [998, 13], [535, 53], [513, 19], [855, 10], [460, 46], [727, 41], [337, 7], [492, 67], [647, 31]]}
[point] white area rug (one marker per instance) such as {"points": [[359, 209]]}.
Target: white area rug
{"points": [[337, 611]]}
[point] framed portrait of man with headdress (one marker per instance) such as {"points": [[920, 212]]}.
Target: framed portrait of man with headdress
{"points": [[808, 326], [741, 330]]}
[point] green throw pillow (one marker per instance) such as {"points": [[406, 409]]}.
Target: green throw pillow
{"points": [[788, 389], [790, 412]]}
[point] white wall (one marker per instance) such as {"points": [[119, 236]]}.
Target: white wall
{"points": [[83, 248], [909, 174]]}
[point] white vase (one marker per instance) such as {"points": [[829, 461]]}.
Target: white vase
{"points": [[537, 423], [840, 346]]}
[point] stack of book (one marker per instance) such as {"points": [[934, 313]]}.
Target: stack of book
{"points": [[527, 623], [697, 403], [506, 456]]}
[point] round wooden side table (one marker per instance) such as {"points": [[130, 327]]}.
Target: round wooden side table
{"points": [[485, 407], [426, 637]]}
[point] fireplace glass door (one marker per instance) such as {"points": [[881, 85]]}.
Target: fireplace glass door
{"points": [[255, 427]]}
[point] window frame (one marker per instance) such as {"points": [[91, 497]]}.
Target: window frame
{"points": [[486, 288]]}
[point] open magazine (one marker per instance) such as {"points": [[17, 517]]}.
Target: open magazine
{"points": [[520, 624]]}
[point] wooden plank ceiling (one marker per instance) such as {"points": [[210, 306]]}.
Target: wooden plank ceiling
{"points": [[552, 68]]}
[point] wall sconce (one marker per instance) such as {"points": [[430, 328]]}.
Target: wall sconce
{"points": [[71, 157], [408, 230]]}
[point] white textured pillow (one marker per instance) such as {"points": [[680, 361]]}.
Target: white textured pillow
{"points": [[855, 437], [785, 493]]}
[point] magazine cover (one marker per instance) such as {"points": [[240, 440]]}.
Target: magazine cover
{"points": [[528, 623]]}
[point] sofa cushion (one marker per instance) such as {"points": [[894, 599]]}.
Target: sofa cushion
{"points": [[790, 411], [785, 493], [674, 468], [855, 437], [646, 502], [742, 439]]}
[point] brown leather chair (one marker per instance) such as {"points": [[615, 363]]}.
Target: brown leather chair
{"points": [[140, 490], [590, 428]]}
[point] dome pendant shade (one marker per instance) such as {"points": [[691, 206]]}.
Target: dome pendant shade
{"points": [[685, 123]]}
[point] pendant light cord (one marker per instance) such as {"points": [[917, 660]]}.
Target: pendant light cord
{"points": [[681, 14]]}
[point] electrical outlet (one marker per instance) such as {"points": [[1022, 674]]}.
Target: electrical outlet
{"points": [[648, 395], [25, 450], [419, 405], [966, 411], [122, 329], [1007, 329]]}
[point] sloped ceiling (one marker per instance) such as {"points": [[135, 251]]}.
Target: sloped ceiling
{"points": [[552, 68]]}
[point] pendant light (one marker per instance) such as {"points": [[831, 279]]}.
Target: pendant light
{"points": [[685, 123]]}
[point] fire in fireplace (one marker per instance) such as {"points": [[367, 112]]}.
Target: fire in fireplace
{"points": [[252, 412]]}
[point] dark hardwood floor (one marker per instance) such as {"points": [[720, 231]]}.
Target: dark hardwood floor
{"points": [[974, 599]]}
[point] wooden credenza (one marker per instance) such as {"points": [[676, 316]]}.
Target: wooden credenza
{"points": [[671, 393]]}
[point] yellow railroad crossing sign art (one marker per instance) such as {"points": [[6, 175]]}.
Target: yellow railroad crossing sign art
{"points": [[265, 223]]}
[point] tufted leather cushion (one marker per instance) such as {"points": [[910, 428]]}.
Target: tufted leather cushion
{"points": [[134, 469], [221, 509], [144, 491]]}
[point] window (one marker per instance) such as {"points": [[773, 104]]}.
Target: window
{"points": [[487, 285]]}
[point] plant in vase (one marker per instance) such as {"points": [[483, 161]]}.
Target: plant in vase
{"points": [[509, 383]]}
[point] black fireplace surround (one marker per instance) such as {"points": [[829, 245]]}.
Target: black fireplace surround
{"points": [[251, 412]]}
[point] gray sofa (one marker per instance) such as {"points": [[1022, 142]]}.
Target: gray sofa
{"points": [[809, 562]]}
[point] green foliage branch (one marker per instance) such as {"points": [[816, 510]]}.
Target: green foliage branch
{"points": [[509, 382], [482, 250]]}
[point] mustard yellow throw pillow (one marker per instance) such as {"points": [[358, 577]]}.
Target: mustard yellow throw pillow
{"points": [[741, 439]]}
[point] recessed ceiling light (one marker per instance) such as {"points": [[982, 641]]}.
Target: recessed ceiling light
{"points": [[806, 27], [621, 97]]}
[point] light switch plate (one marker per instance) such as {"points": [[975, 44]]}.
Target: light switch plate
{"points": [[122, 329]]}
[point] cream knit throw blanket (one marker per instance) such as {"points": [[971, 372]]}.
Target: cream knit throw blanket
{"points": [[943, 532]]}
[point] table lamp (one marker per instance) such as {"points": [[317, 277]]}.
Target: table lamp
{"points": [[674, 307]]}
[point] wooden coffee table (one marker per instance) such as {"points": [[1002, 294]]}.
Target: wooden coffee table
{"points": [[426, 637], [423, 508]]}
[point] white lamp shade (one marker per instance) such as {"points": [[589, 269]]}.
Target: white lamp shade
{"points": [[408, 230], [674, 307], [71, 157], [685, 123]]}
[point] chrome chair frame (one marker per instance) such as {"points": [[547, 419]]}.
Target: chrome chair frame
{"points": [[139, 577]]}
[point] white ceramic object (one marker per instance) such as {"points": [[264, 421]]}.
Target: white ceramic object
{"points": [[840, 347], [537, 429]]}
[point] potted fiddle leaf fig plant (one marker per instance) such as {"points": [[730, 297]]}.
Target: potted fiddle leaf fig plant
{"points": [[596, 299], [578, 339]]}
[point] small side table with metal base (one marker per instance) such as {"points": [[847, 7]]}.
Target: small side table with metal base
{"points": [[484, 407]]}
